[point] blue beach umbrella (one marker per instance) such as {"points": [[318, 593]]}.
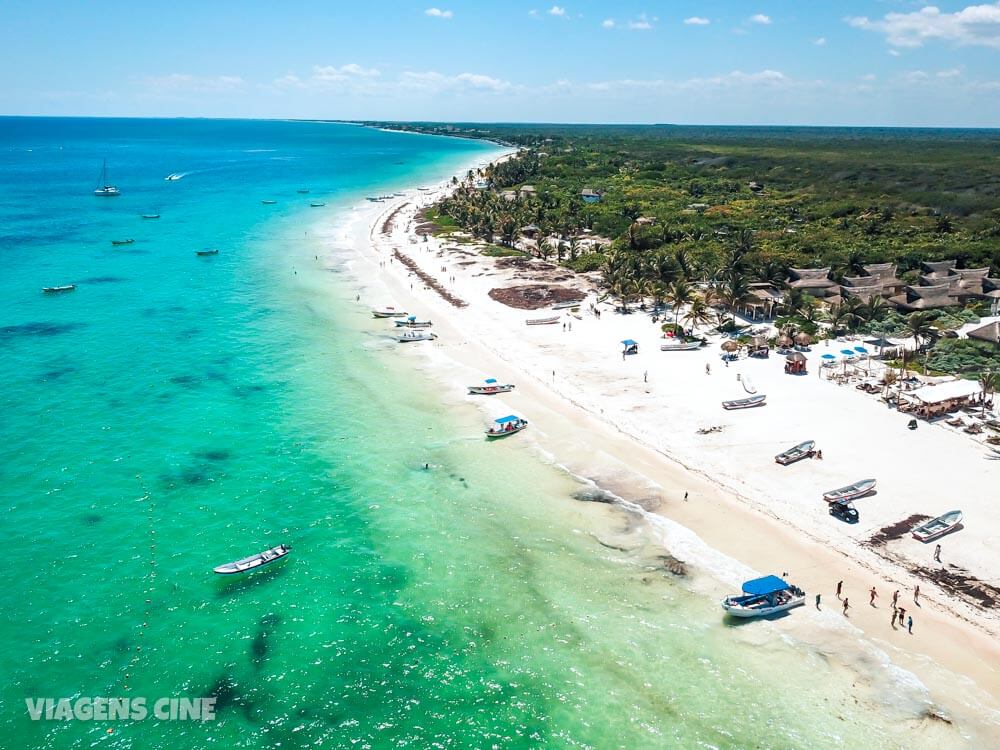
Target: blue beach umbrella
{"points": [[829, 356], [860, 350], [848, 352]]}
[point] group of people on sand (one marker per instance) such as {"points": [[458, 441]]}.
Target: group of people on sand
{"points": [[898, 612]]}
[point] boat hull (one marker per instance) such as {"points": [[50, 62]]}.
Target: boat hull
{"points": [[388, 313], [254, 562], [489, 390], [938, 527], [738, 610], [744, 403], [490, 435], [543, 321], [851, 491], [686, 347], [800, 451], [420, 337]]}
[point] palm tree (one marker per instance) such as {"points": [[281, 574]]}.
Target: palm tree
{"points": [[733, 289], [989, 382], [920, 329], [678, 294], [875, 309], [698, 312]]}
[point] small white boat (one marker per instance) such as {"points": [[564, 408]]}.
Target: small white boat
{"points": [[748, 385], [490, 387], [174, 176], [105, 189], [851, 491], [764, 596], [543, 321], [210, 251], [302, 191], [566, 305], [506, 426], [800, 451], [388, 312], [679, 345], [745, 403], [412, 322], [254, 561], [938, 527], [58, 289], [151, 216], [268, 202], [317, 205], [408, 336]]}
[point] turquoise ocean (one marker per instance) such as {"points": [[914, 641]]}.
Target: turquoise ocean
{"points": [[175, 412]]}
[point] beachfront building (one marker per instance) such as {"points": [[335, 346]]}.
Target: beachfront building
{"points": [[926, 297], [989, 332], [943, 285], [761, 301], [527, 191], [590, 196], [815, 282]]}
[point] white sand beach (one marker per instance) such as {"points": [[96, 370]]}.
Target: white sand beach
{"points": [[631, 424]]}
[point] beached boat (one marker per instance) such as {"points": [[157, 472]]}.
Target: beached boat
{"points": [[938, 527], [408, 336], [490, 387], [543, 321], [317, 205], [679, 345], [254, 561], [566, 305], [210, 251], [851, 491], [412, 322], [104, 188], [122, 242], [268, 202], [745, 403], [151, 216], [58, 289], [388, 312], [506, 426], [800, 451], [764, 596]]}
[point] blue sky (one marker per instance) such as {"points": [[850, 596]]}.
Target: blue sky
{"points": [[808, 62]]}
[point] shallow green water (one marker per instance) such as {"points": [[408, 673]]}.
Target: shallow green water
{"points": [[183, 412]]}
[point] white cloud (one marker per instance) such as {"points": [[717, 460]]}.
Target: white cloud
{"points": [[894, 52], [438, 13], [761, 19], [869, 77], [343, 73], [608, 23], [973, 25], [950, 73], [433, 82], [182, 82], [555, 10], [697, 21], [820, 41], [642, 23]]}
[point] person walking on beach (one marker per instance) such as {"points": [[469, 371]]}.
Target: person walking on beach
{"points": [[916, 595], [895, 598], [872, 594], [909, 625], [645, 376], [902, 613], [892, 620], [846, 606], [818, 596], [937, 553], [685, 495], [708, 369], [840, 587]]}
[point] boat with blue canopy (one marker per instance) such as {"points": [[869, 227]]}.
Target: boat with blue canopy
{"points": [[764, 596], [490, 387], [631, 347], [505, 426], [412, 322]]}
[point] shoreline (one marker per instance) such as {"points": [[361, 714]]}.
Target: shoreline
{"points": [[587, 444]]}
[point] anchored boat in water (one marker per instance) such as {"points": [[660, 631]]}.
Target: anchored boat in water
{"points": [[938, 527], [254, 561], [851, 491], [490, 387], [122, 242], [209, 251], [104, 188], [506, 426], [764, 596], [58, 289]]}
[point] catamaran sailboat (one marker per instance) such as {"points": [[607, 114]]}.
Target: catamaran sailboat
{"points": [[104, 188]]}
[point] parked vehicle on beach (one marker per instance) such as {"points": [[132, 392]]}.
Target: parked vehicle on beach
{"points": [[844, 510]]}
